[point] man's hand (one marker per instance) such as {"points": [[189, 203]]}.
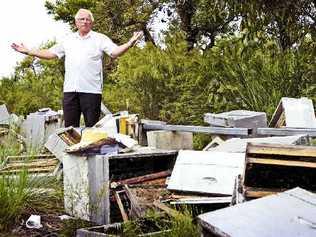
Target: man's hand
{"points": [[20, 48], [136, 36]]}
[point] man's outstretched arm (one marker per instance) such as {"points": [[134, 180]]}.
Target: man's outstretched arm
{"points": [[40, 53], [124, 47]]}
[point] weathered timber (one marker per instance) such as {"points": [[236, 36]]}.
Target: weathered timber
{"points": [[251, 192], [286, 131], [165, 208], [136, 211], [272, 168], [239, 145], [40, 156], [144, 178], [199, 129], [120, 205], [284, 150]]}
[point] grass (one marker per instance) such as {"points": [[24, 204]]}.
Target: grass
{"points": [[180, 225], [22, 193]]}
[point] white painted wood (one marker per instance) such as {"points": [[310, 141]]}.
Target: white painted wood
{"points": [[170, 140], [237, 119], [86, 187], [76, 186], [206, 172], [4, 115], [239, 145], [299, 113], [199, 129], [292, 213], [286, 131]]}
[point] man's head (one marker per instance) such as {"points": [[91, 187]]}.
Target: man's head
{"points": [[84, 21]]}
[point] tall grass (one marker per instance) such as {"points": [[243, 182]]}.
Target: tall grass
{"points": [[25, 194], [22, 193]]}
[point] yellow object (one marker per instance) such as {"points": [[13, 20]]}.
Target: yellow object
{"points": [[89, 136], [92, 135], [123, 125]]}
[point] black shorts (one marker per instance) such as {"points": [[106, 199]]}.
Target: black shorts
{"points": [[75, 103]]}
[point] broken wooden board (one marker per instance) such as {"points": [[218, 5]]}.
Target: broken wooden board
{"points": [[60, 140], [311, 132], [199, 129], [295, 113], [291, 213], [31, 166], [206, 172], [274, 168], [239, 145], [237, 119]]}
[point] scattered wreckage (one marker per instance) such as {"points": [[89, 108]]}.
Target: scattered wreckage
{"points": [[123, 166]]}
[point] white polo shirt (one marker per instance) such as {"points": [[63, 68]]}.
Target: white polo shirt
{"points": [[83, 61]]}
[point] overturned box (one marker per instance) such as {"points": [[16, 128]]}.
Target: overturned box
{"points": [[272, 168]]}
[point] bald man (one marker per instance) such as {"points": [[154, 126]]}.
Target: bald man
{"points": [[83, 52]]}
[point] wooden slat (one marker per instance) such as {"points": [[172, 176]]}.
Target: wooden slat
{"points": [[120, 205], [30, 170], [41, 156], [251, 192], [281, 162], [144, 178], [48, 162], [165, 208], [199, 129], [286, 131], [287, 150], [136, 210]]}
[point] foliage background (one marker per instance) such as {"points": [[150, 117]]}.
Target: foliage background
{"points": [[216, 56]]}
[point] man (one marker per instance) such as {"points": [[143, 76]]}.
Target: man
{"points": [[83, 51]]}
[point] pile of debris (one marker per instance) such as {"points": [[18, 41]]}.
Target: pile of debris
{"points": [[123, 166]]}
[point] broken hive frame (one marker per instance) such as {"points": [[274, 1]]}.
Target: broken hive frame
{"points": [[275, 168]]}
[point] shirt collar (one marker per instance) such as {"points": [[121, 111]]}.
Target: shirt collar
{"points": [[84, 37]]}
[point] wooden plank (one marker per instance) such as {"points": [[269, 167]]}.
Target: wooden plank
{"points": [[251, 192], [199, 129], [281, 162], [40, 156], [30, 170], [165, 208], [286, 131], [284, 150], [136, 210], [120, 205], [240, 145], [275, 215], [144, 178], [48, 162], [99, 190]]}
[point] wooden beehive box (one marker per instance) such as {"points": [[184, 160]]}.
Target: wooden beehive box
{"points": [[271, 168]]}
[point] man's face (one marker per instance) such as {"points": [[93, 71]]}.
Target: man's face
{"points": [[83, 22]]}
